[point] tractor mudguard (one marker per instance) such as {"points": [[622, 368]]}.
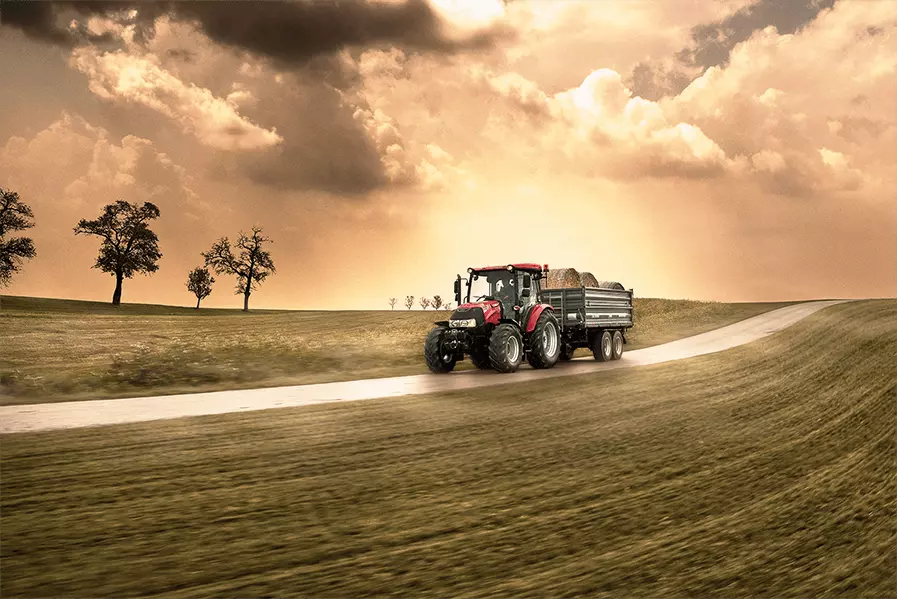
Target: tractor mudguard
{"points": [[534, 315]]}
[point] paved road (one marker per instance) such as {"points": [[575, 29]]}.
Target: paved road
{"points": [[76, 414]]}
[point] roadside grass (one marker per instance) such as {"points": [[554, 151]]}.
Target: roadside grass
{"points": [[56, 350], [768, 470]]}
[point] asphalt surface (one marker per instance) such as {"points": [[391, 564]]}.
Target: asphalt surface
{"points": [[101, 412]]}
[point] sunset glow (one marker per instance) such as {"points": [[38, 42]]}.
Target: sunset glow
{"points": [[726, 150]]}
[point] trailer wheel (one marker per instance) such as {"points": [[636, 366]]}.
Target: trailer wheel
{"points": [[480, 358], [545, 342], [602, 347], [506, 348], [439, 360], [618, 345]]}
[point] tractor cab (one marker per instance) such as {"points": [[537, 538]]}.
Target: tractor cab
{"points": [[508, 290]]}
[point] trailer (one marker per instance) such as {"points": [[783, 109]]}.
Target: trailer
{"points": [[594, 317]]}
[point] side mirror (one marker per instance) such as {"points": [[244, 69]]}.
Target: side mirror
{"points": [[458, 290], [527, 281]]}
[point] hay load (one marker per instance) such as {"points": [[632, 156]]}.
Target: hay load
{"points": [[587, 279], [561, 278], [566, 278]]}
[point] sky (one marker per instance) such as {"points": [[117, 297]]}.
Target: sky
{"points": [[727, 150]]}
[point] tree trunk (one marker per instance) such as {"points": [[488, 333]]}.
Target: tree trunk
{"points": [[116, 297], [197, 302], [246, 301]]}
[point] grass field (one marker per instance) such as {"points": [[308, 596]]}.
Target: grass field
{"points": [[66, 350], [769, 470]]}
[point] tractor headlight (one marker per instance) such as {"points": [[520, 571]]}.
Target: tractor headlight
{"points": [[468, 323]]}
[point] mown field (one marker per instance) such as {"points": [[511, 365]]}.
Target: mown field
{"points": [[769, 470], [67, 350]]}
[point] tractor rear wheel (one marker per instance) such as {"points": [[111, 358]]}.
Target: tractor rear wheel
{"points": [[566, 353], [545, 342], [439, 359], [618, 345], [506, 348], [602, 347]]}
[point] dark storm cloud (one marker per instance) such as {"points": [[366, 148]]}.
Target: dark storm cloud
{"points": [[36, 19], [49, 21], [324, 148], [712, 42], [289, 31]]}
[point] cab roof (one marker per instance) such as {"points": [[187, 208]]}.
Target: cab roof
{"points": [[524, 266]]}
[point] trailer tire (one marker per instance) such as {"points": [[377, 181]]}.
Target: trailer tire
{"points": [[480, 358], [438, 360], [545, 342], [617, 345], [506, 348], [602, 347]]}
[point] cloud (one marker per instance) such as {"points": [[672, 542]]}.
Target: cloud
{"points": [[321, 132], [73, 164], [599, 127], [290, 32], [122, 77], [789, 102], [774, 115], [710, 43]]}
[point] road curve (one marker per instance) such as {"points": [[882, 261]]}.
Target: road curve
{"points": [[100, 412]]}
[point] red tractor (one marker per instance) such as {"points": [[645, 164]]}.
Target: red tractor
{"points": [[500, 324]]}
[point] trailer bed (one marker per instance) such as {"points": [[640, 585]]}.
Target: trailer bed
{"points": [[591, 307]]}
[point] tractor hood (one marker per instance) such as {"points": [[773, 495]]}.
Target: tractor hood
{"points": [[488, 312]]}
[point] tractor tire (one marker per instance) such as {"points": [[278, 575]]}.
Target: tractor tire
{"points": [[480, 358], [566, 353], [438, 360], [506, 348], [617, 345], [545, 342], [602, 347]]}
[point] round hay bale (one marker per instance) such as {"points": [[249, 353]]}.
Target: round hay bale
{"points": [[587, 279], [560, 278], [610, 285]]}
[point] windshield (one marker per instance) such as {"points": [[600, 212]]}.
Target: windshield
{"points": [[493, 284]]}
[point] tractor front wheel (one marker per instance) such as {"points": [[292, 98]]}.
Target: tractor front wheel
{"points": [[506, 348], [480, 358], [545, 342], [439, 359]]}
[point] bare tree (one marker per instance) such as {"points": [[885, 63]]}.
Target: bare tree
{"points": [[392, 303], [437, 302], [129, 246], [14, 216], [424, 302], [252, 266], [409, 301], [199, 281]]}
